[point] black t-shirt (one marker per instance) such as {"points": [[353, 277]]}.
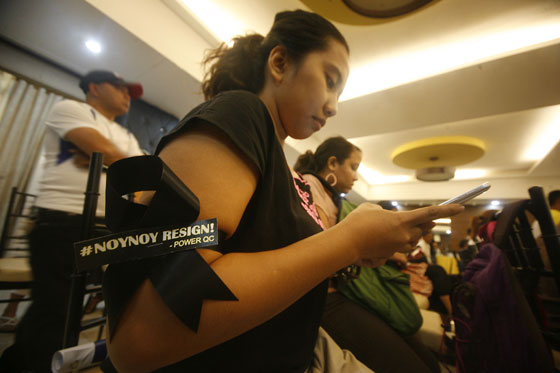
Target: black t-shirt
{"points": [[279, 213]]}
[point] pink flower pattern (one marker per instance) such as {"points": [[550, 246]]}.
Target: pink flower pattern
{"points": [[306, 200]]}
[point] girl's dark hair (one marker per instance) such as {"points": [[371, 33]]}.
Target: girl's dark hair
{"points": [[337, 146], [386, 205], [242, 65], [553, 197]]}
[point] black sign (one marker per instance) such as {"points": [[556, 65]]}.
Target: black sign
{"points": [[144, 243]]}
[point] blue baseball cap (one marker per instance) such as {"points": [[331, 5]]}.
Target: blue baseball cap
{"points": [[135, 90]]}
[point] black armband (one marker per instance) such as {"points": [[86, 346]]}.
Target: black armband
{"points": [[183, 280], [155, 241], [171, 203]]}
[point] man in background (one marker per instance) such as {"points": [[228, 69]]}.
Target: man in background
{"points": [[425, 246], [74, 131]]}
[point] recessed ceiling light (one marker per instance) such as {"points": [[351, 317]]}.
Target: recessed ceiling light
{"points": [[448, 231], [495, 203], [93, 46]]}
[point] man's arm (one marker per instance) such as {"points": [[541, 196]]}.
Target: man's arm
{"points": [[76, 122], [89, 140]]}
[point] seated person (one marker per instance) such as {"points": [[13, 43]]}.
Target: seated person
{"points": [[464, 255], [330, 171], [440, 300]]}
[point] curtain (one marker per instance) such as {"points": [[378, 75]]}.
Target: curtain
{"points": [[23, 109]]}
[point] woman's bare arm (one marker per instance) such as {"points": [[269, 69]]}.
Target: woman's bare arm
{"points": [[150, 336]]}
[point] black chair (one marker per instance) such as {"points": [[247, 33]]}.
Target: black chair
{"points": [[500, 323], [79, 287], [19, 218], [514, 235], [15, 271]]}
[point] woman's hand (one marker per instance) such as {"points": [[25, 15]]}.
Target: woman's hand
{"points": [[377, 234], [399, 259]]}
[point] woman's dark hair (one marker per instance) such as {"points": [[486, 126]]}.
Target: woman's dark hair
{"points": [[553, 197], [242, 65], [386, 205], [337, 146]]}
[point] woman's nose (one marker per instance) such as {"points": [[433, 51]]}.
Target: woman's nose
{"points": [[331, 107]]}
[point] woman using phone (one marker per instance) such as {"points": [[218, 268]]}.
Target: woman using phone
{"points": [[275, 259], [331, 171]]}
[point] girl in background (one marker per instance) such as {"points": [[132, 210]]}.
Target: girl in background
{"points": [[331, 171]]}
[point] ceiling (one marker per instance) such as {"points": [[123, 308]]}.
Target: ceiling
{"points": [[447, 69]]}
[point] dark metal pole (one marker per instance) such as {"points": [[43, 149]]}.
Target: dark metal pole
{"points": [[72, 326]]}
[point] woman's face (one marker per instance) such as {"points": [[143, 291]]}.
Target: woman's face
{"points": [[347, 172], [307, 94]]}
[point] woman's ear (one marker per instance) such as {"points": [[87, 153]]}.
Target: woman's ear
{"points": [[277, 63], [332, 163]]}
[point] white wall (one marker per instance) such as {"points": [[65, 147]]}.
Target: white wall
{"points": [[502, 189], [20, 62]]}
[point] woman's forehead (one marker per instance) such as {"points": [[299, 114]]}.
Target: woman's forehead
{"points": [[338, 53], [355, 156]]}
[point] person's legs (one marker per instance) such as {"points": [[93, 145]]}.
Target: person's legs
{"points": [[423, 352], [40, 332], [330, 358], [370, 339], [52, 263], [440, 300]]}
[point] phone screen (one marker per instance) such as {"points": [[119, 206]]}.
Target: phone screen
{"points": [[467, 196]]}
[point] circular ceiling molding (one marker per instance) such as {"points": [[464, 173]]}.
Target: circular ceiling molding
{"points": [[384, 8], [347, 12], [443, 151]]}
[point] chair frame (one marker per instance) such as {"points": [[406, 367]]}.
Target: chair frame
{"points": [[514, 235], [16, 205], [74, 325]]}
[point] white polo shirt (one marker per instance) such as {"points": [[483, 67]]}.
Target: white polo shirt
{"points": [[63, 184]]}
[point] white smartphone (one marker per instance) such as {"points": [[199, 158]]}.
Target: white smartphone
{"points": [[467, 196]]}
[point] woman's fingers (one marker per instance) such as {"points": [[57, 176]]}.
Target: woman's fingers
{"points": [[427, 214], [379, 233]]}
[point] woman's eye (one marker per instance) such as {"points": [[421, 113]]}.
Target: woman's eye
{"points": [[330, 82]]}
